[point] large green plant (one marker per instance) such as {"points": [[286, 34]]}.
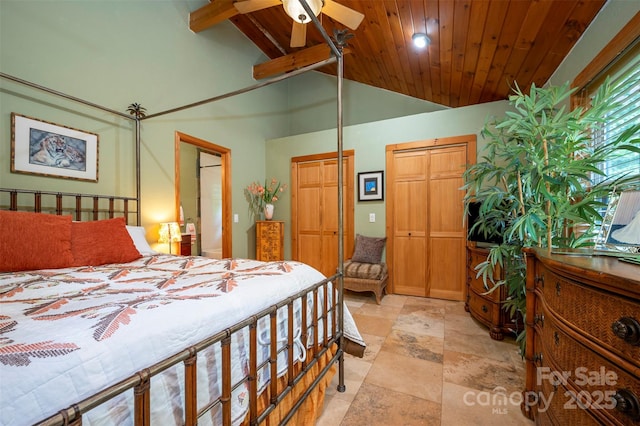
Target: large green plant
{"points": [[535, 183]]}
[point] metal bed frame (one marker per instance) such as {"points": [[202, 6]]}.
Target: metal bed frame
{"points": [[121, 206]]}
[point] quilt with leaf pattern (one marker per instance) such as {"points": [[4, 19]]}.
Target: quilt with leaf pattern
{"points": [[67, 333]]}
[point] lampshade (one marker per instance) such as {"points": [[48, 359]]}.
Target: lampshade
{"points": [[295, 10], [169, 233], [420, 40]]}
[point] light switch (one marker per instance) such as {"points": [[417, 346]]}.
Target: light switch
{"points": [[372, 217], [235, 218]]}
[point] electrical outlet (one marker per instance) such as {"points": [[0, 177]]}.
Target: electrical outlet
{"points": [[235, 218], [372, 217]]}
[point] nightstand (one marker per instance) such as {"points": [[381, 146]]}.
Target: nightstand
{"points": [[185, 245]]}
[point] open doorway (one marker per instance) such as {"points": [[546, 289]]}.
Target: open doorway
{"points": [[203, 195], [209, 241]]}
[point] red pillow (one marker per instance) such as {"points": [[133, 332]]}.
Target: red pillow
{"points": [[102, 241], [30, 241]]}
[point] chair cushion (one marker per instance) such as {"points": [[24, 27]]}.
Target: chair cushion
{"points": [[367, 271], [368, 249]]}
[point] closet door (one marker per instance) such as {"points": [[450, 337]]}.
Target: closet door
{"points": [[410, 222], [314, 210], [425, 229], [447, 233], [309, 195]]}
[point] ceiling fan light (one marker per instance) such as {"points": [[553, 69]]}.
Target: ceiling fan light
{"points": [[295, 10], [420, 40]]}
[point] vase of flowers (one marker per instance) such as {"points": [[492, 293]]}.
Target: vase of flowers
{"points": [[262, 198]]}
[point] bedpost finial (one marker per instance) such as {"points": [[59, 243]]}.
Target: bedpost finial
{"points": [[136, 109]]}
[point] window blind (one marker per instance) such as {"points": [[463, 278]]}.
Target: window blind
{"points": [[624, 77]]}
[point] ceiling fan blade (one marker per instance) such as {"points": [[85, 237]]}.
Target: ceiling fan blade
{"points": [[347, 16], [298, 34], [247, 6]]}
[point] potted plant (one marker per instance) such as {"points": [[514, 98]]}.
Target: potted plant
{"points": [[261, 198], [534, 181]]}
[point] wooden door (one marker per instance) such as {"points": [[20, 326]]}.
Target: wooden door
{"points": [[425, 228], [410, 222], [447, 231], [314, 210]]}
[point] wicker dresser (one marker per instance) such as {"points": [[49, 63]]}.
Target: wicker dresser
{"points": [[488, 308], [583, 340]]}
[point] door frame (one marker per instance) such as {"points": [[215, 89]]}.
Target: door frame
{"points": [[225, 155], [467, 140]]}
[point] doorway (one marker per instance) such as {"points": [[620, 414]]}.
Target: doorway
{"points": [[203, 194], [209, 241]]}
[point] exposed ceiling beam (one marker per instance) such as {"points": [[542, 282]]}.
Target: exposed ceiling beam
{"points": [[294, 61], [211, 14]]}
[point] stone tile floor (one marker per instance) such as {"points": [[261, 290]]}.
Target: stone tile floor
{"points": [[427, 362]]}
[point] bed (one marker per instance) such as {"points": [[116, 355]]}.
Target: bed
{"points": [[119, 334], [97, 328]]}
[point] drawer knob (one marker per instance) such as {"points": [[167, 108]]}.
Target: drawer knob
{"points": [[627, 403], [540, 280], [484, 308], [628, 329], [537, 358], [539, 319]]}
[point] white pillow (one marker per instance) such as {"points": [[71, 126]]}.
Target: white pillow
{"points": [[137, 234]]}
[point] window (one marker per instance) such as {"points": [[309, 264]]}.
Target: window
{"points": [[625, 83], [620, 62]]}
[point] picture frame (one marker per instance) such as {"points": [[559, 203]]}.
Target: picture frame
{"points": [[620, 229], [371, 186], [47, 149]]}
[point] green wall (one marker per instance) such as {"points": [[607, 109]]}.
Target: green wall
{"points": [[369, 142], [313, 103], [114, 53]]}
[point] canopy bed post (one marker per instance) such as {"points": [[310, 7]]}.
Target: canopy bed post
{"points": [[341, 386], [138, 173], [337, 49]]}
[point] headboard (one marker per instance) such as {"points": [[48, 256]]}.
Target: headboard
{"points": [[82, 207]]}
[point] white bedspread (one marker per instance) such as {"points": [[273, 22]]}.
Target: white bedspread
{"points": [[67, 333]]}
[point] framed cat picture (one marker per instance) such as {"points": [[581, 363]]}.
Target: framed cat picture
{"points": [[47, 149]]}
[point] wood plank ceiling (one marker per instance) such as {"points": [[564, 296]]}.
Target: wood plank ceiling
{"points": [[478, 48]]}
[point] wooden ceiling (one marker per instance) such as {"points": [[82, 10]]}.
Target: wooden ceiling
{"points": [[478, 48]]}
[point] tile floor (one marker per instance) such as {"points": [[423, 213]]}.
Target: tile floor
{"points": [[427, 362]]}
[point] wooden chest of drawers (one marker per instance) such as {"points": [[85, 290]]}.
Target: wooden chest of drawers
{"points": [[488, 307], [269, 240], [583, 340]]}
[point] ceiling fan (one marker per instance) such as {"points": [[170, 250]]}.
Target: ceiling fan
{"points": [[347, 16]]}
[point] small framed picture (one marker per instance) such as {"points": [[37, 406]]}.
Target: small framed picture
{"points": [[370, 186], [47, 149]]}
